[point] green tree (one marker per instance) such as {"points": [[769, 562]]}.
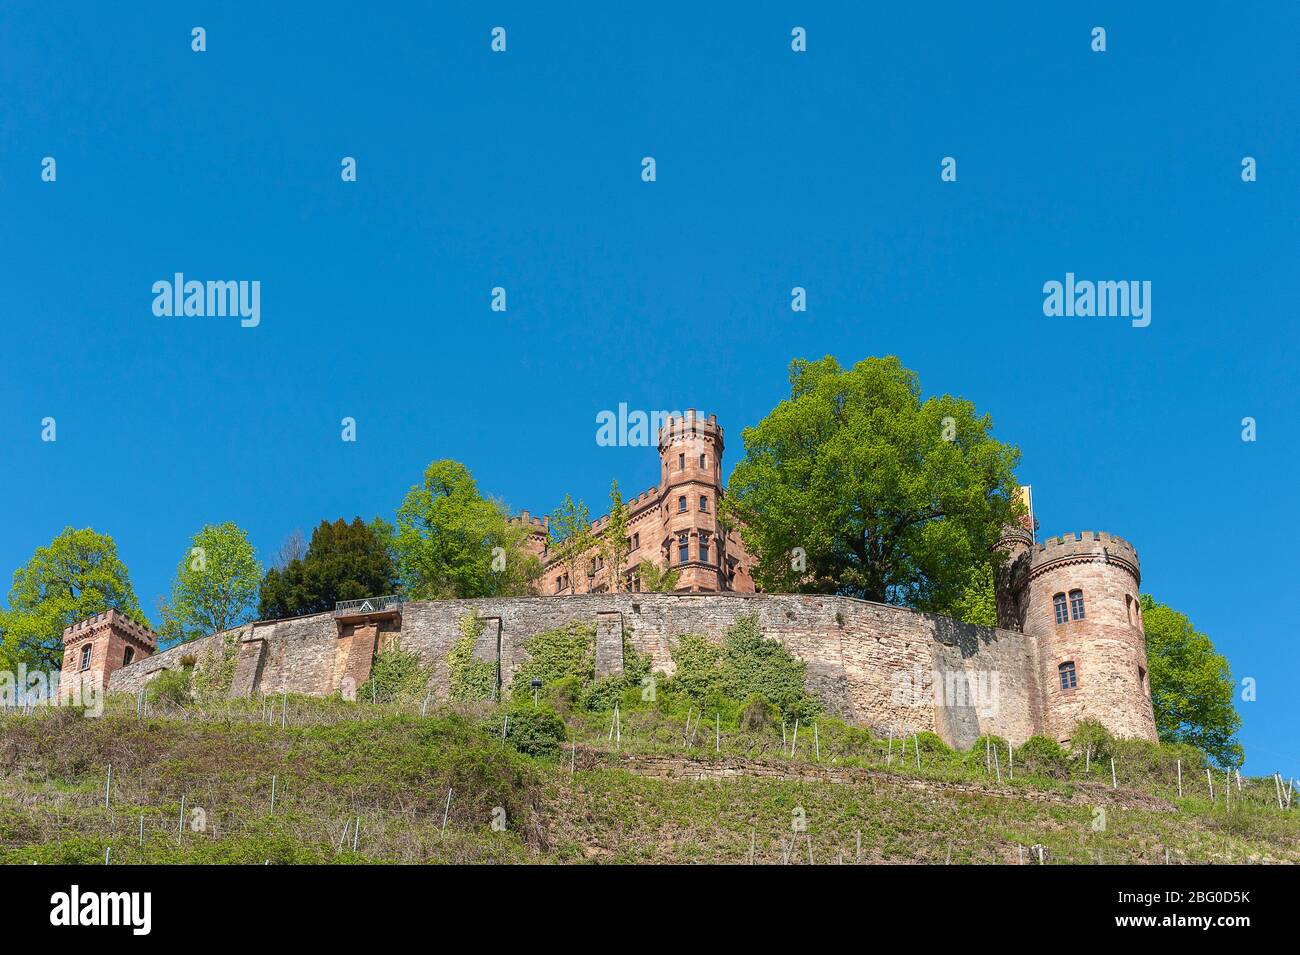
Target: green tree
{"points": [[77, 576], [343, 562], [855, 485], [215, 587], [1191, 685], [977, 602], [614, 546], [452, 542], [571, 533], [656, 581]]}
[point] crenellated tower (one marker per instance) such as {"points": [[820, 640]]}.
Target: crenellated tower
{"points": [[690, 485], [1077, 595], [93, 648]]}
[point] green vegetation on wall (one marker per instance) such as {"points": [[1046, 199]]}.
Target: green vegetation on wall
{"points": [[470, 680], [397, 676], [745, 666]]}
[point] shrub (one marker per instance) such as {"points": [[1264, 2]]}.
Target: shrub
{"points": [[173, 686], [535, 730], [213, 677], [746, 665], [759, 716], [1042, 756], [981, 749], [600, 695], [932, 743], [553, 655], [471, 680], [1140, 761], [565, 661], [698, 666], [395, 677], [1090, 737], [844, 739]]}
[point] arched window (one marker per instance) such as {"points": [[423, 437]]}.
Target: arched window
{"points": [[1058, 604], [1076, 604], [681, 504], [1069, 679], [85, 657]]}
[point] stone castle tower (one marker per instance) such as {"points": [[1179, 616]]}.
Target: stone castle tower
{"points": [[98, 645], [1078, 597]]}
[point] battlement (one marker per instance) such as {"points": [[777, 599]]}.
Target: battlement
{"points": [[1086, 545], [688, 426], [524, 519], [114, 619], [634, 507]]}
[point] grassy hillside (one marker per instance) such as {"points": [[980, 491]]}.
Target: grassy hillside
{"points": [[657, 793]]}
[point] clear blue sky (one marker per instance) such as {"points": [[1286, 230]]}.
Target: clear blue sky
{"points": [[774, 170]]}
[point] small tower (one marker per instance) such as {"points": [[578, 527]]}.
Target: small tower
{"points": [[538, 539], [690, 485], [98, 645], [1078, 597], [1016, 542]]}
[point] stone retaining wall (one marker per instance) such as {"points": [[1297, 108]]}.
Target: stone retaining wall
{"points": [[869, 663]]}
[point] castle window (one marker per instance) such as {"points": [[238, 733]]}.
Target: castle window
{"points": [[704, 503], [85, 657], [704, 549], [1069, 679], [636, 540], [1058, 604], [559, 584], [681, 504], [1076, 604], [681, 462], [702, 465], [683, 547], [128, 655]]}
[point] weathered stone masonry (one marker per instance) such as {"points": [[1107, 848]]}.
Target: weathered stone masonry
{"points": [[857, 652], [876, 665]]}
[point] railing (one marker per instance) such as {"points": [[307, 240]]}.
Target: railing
{"points": [[367, 605]]}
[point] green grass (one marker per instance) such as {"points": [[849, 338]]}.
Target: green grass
{"points": [[393, 767]]}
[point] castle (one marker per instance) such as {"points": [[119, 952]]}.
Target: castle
{"points": [[674, 525], [1069, 644]]}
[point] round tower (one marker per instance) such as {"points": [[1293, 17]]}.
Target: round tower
{"points": [[1011, 577], [1078, 597], [690, 484]]}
